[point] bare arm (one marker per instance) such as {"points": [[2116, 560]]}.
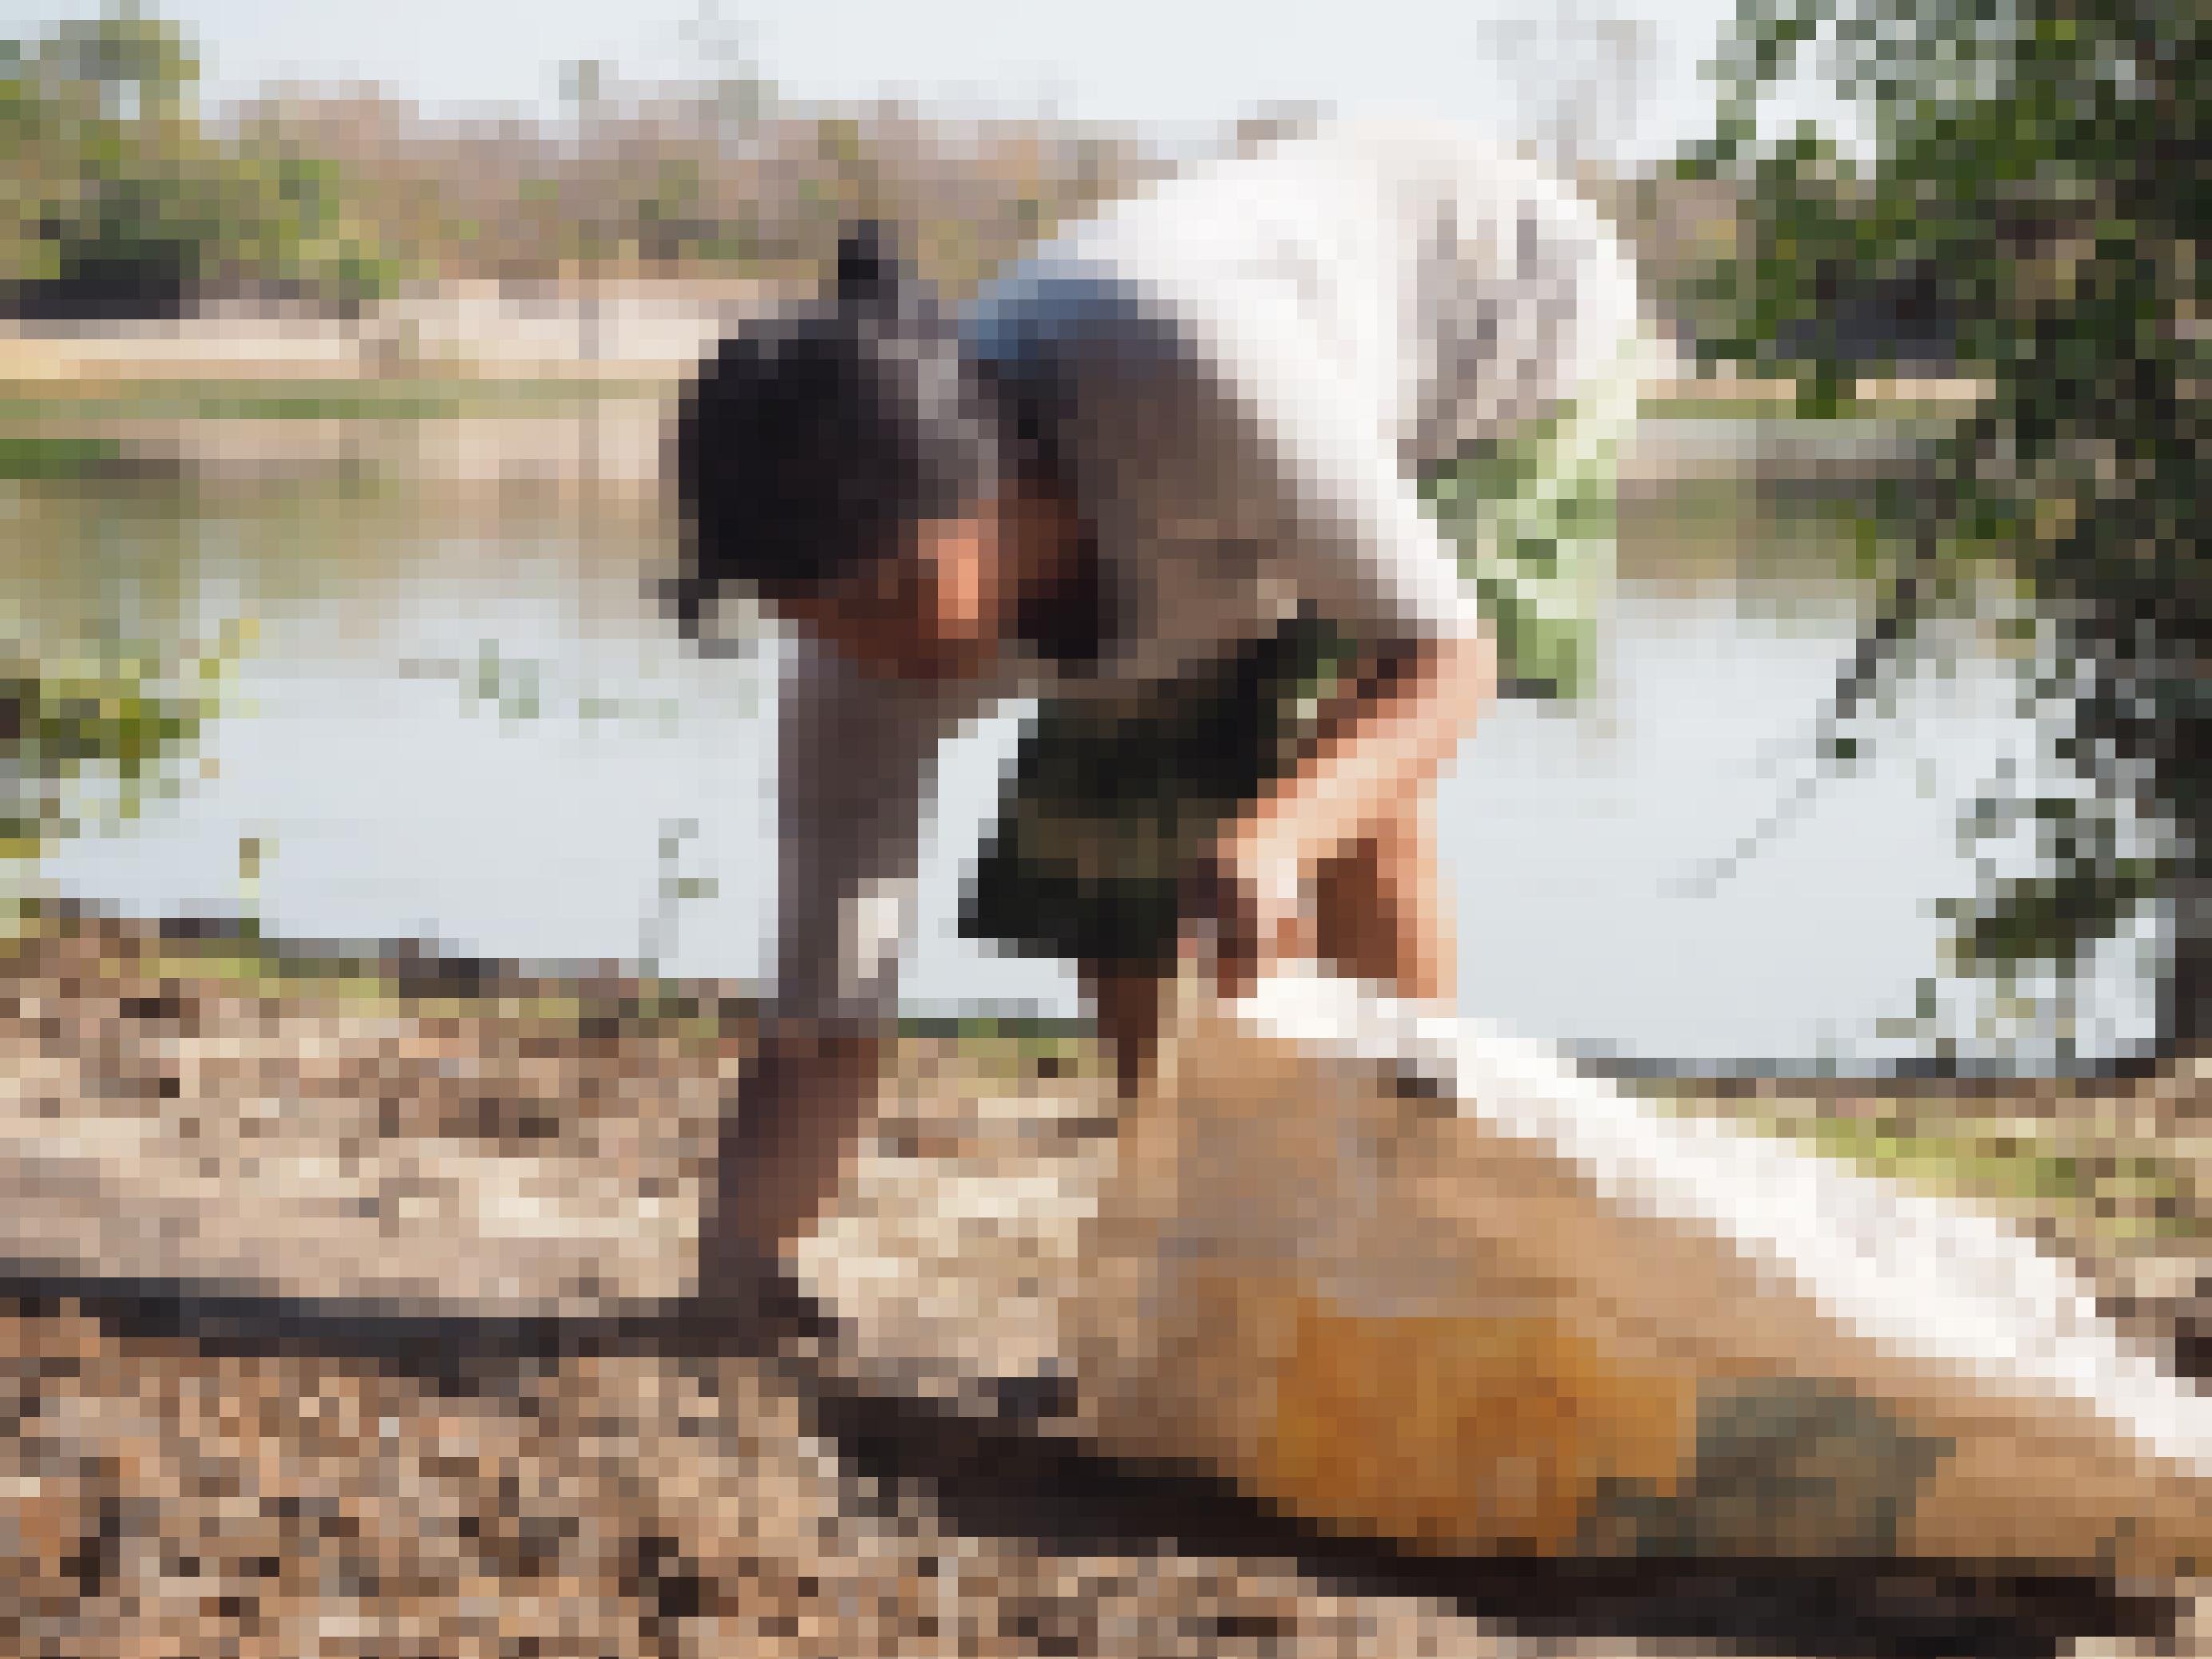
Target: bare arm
{"points": [[854, 757], [806, 1094], [1394, 729], [1391, 732]]}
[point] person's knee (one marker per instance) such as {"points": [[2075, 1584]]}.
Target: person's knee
{"points": [[1378, 906], [1128, 1005], [1399, 860]]}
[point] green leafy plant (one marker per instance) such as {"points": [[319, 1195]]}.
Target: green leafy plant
{"points": [[2037, 168], [84, 740], [674, 889]]}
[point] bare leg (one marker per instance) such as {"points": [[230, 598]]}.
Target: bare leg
{"points": [[1382, 911], [1129, 1007]]}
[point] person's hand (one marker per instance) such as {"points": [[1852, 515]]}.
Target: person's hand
{"points": [[1248, 890]]}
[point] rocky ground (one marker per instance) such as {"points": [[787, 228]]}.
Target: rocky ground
{"points": [[261, 1473]]}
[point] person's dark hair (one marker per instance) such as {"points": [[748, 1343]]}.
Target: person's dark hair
{"points": [[809, 441]]}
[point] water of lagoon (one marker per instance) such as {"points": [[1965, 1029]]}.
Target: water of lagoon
{"points": [[462, 719]]}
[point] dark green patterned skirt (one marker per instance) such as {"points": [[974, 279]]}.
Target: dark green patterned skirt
{"points": [[1109, 808]]}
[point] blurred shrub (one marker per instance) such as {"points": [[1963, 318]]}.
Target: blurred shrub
{"points": [[118, 201]]}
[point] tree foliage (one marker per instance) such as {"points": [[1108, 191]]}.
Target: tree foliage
{"points": [[118, 197], [115, 184], [2043, 159]]}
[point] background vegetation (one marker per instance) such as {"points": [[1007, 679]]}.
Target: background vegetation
{"points": [[2037, 172], [2027, 214], [125, 196]]}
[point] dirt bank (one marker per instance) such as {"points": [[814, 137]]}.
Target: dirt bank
{"points": [[262, 1475]]}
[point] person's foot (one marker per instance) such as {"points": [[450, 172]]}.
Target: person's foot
{"points": [[756, 1304], [1045, 1395]]}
